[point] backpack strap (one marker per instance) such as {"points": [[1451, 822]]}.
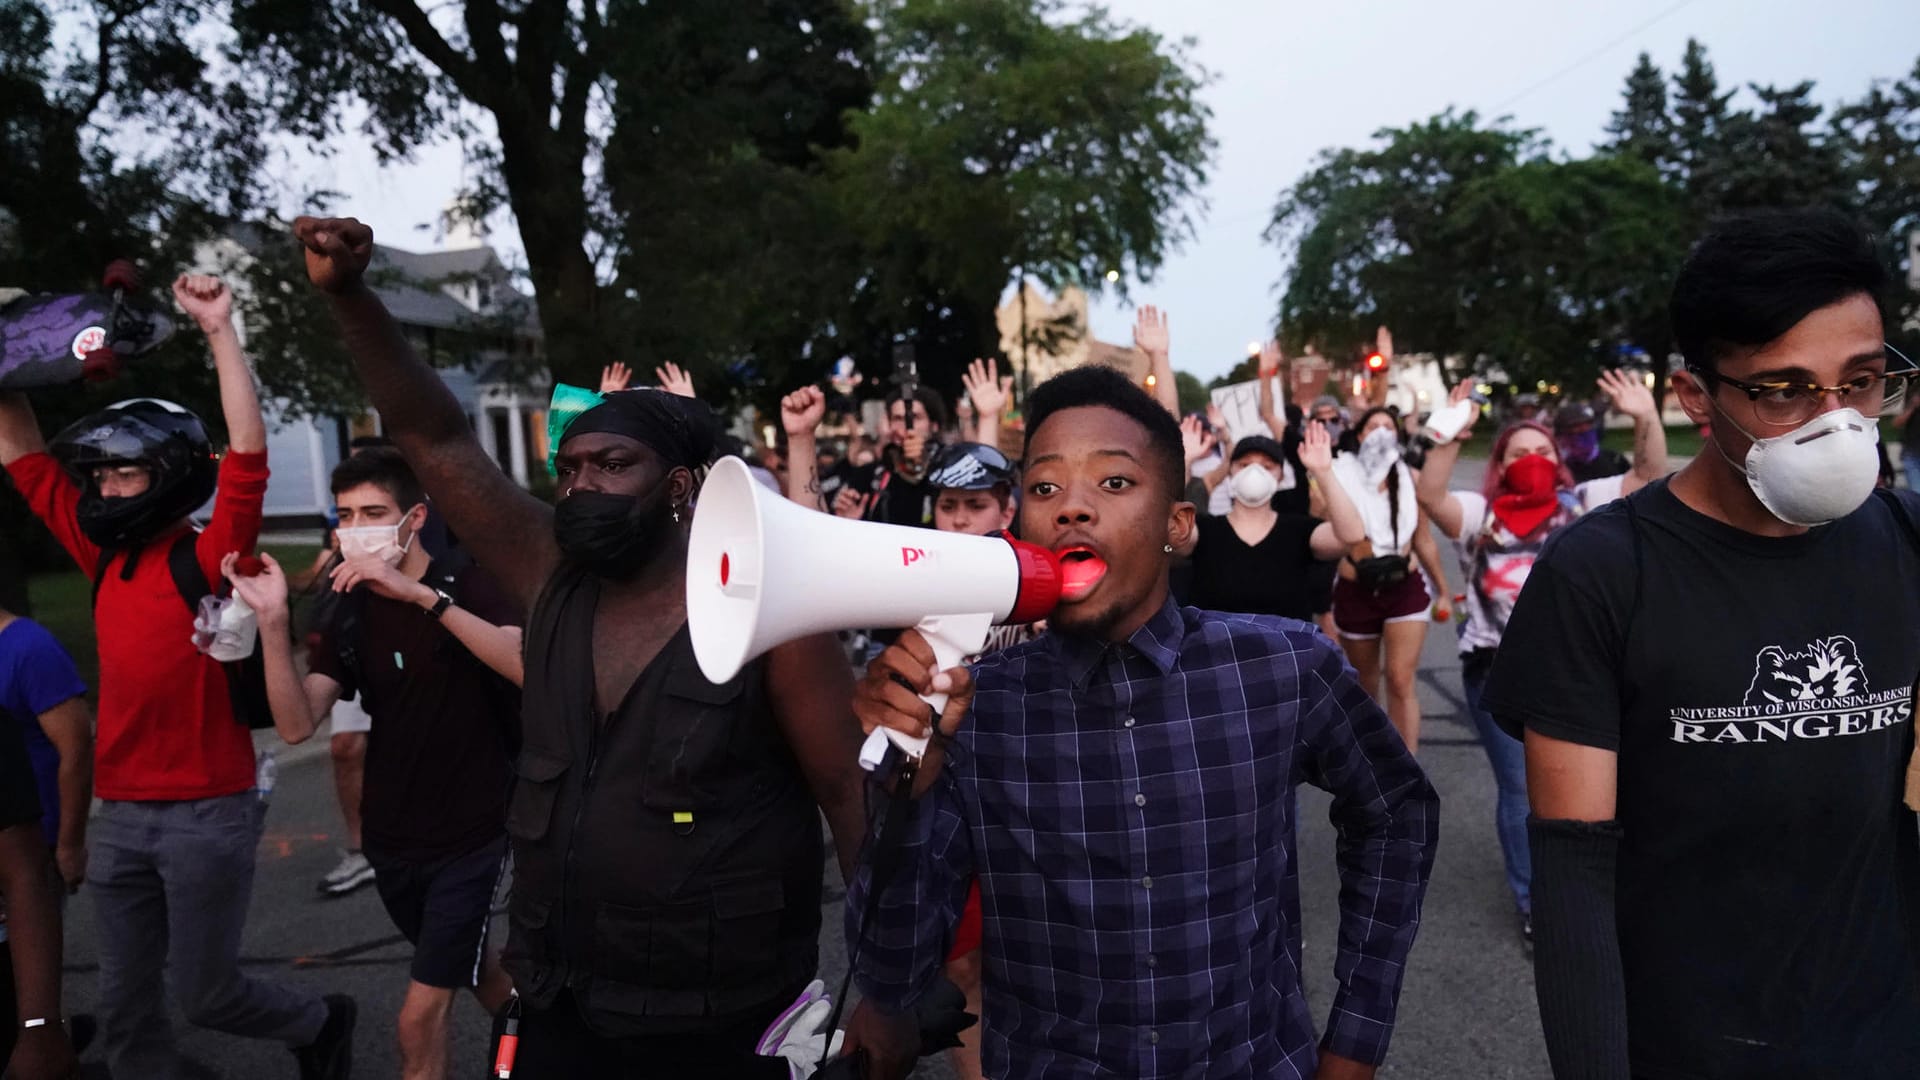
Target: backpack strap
{"points": [[100, 572], [183, 562], [1901, 514]]}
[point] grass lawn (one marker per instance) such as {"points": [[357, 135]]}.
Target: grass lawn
{"points": [[63, 602]]}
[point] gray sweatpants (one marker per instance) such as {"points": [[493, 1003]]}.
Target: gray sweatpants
{"points": [[170, 884]]}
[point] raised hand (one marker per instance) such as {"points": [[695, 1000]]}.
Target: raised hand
{"points": [[852, 504], [1383, 343], [675, 380], [1196, 441], [987, 387], [1629, 394], [1316, 449], [1460, 393], [337, 249], [1270, 358], [205, 298], [264, 592], [802, 411], [1150, 331], [1218, 420], [615, 377]]}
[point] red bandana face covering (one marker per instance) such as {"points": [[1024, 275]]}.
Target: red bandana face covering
{"points": [[1530, 497]]}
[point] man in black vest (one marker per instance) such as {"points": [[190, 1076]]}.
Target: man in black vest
{"points": [[667, 853], [432, 648]]}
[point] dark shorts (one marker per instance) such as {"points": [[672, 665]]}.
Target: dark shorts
{"points": [[442, 906], [1364, 615]]}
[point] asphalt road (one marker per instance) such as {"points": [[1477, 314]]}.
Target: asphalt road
{"points": [[1467, 1010]]}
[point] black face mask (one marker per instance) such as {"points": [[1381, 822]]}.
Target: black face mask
{"points": [[611, 535]]}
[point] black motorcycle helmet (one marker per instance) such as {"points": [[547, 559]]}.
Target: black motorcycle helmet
{"points": [[168, 440], [969, 466]]}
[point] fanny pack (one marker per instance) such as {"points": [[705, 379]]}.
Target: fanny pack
{"points": [[1381, 572]]}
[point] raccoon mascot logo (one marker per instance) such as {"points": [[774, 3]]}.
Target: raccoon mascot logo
{"points": [[1827, 670]]}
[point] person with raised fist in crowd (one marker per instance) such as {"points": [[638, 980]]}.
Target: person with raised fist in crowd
{"points": [[174, 842], [665, 830], [1134, 768], [1529, 495], [432, 649], [1713, 679]]}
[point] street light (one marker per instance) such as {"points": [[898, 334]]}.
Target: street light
{"points": [[1113, 275], [1253, 348]]}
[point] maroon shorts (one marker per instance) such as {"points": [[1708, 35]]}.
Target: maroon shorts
{"points": [[1360, 614]]}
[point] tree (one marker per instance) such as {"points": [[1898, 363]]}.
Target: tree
{"points": [[1373, 237], [1775, 156], [1878, 142], [1008, 139], [1699, 115], [1193, 393], [1643, 128]]}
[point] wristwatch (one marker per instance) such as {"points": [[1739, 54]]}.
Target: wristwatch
{"points": [[441, 605]]}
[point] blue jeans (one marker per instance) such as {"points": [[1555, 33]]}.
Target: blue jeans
{"points": [[1911, 463], [1509, 762]]}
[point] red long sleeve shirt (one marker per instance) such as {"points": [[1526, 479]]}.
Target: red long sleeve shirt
{"points": [[166, 726]]}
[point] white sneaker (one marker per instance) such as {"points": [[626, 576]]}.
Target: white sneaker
{"points": [[353, 872]]}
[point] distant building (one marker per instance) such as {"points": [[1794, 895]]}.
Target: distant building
{"points": [[459, 306], [1058, 338]]}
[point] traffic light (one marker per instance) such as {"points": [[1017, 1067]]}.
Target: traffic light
{"points": [[1376, 363]]}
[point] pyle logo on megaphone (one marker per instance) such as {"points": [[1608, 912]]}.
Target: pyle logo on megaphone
{"points": [[762, 571]]}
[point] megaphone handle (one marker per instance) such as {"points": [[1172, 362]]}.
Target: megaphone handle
{"points": [[953, 638]]}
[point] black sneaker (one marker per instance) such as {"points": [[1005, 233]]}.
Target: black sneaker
{"points": [[331, 1055], [1526, 930]]}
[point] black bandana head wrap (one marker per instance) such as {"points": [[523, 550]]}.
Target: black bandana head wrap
{"points": [[680, 429]]}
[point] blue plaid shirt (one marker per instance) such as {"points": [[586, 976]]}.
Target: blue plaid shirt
{"points": [[1128, 810]]}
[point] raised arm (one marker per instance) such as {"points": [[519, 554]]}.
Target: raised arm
{"points": [[800, 415], [1269, 367], [508, 531], [297, 709], [1433, 487], [19, 430], [493, 643], [1150, 337], [1427, 550], [988, 389], [1344, 527], [1632, 397], [210, 304], [1196, 442]]}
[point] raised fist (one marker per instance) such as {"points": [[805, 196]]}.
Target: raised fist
{"points": [[337, 249]]}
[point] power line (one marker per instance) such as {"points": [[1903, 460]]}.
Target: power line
{"points": [[1590, 57]]}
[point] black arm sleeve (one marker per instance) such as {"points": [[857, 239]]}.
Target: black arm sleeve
{"points": [[1576, 963]]}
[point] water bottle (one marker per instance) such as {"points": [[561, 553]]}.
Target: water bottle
{"points": [[266, 773]]}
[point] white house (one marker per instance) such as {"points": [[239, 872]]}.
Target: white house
{"points": [[458, 305]]}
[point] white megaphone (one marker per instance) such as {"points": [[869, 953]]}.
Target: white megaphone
{"points": [[763, 571]]}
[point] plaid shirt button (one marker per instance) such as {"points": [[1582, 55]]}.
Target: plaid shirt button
{"points": [[1139, 800], [1146, 883]]}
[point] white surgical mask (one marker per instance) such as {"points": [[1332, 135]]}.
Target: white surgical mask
{"points": [[1378, 452], [1821, 471], [1253, 486], [380, 541]]}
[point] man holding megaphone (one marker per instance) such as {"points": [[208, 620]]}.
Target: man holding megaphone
{"points": [[666, 900], [1123, 787]]}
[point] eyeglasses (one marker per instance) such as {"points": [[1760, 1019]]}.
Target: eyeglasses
{"points": [[1786, 403]]}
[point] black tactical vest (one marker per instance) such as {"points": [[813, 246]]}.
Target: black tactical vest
{"points": [[667, 862]]}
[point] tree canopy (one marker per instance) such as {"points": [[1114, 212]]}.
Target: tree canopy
{"points": [[1484, 241]]}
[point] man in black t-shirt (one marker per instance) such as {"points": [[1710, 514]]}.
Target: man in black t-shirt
{"points": [[1714, 681], [33, 1043], [433, 650]]}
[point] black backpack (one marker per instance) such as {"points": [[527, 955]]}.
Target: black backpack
{"points": [[246, 678]]}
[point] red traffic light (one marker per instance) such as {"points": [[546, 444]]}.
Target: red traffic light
{"points": [[1376, 362]]}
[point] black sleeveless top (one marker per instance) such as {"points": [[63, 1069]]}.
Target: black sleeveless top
{"points": [[667, 861]]}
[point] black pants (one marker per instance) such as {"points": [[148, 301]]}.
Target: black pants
{"points": [[556, 1044]]}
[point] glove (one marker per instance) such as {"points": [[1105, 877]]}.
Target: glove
{"points": [[796, 1034]]}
